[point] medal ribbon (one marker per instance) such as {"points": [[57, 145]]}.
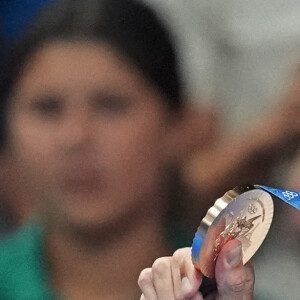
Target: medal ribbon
{"points": [[290, 197]]}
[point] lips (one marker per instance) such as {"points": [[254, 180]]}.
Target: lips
{"points": [[82, 180]]}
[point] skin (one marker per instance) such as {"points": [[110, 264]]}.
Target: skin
{"points": [[91, 148], [97, 133], [175, 277]]}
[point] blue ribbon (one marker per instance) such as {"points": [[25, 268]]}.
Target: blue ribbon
{"points": [[290, 197]]}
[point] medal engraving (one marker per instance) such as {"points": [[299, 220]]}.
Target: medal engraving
{"points": [[246, 217], [235, 229], [252, 209]]}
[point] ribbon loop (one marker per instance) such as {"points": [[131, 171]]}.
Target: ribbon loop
{"points": [[290, 197]]}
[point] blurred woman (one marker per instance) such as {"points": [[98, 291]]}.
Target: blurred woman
{"points": [[90, 100]]}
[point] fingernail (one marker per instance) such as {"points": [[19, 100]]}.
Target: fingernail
{"points": [[234, 256], [185, 285]]}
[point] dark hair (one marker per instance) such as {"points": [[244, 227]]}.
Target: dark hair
{"points": [[129, 26]]}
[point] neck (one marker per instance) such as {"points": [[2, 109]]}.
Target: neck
{"points": [[110, 272]]}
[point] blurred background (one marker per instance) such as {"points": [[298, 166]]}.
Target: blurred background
{"points": [[240, 66]]}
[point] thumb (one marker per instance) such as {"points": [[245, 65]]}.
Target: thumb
{"points": [[234, 280]]}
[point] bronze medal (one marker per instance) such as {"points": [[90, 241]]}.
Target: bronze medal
{"points": [[244, 213]]}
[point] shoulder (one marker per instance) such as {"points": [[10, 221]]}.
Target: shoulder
{"points": [[21, 264], [19, 244]]}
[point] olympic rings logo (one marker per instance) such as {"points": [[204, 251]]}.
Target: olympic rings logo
{"points": [[288, 195]]}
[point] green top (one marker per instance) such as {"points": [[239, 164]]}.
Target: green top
{"points": [[23, 267], [23, 274]]}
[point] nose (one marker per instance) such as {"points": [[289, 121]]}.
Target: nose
{"points": [[76, 131]]}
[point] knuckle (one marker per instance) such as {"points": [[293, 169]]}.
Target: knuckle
{"points": [[242, 284], [238, 288], [181, 256], [178, 254], [145, 277], [161, 266]]}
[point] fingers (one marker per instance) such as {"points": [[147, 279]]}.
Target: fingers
{"points": [[156, 283], [175, 278], [145, 283], [186, 278], [171, 278], [234, 280], [162, 278]]}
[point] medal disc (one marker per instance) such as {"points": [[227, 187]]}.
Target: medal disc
{"points": [[246, 216]]}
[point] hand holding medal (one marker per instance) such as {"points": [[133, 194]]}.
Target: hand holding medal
{"points": [[228, 236]]}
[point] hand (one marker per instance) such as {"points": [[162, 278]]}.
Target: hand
{"points": [[175, 278]]}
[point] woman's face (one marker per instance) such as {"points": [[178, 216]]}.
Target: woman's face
{"points": [[88, 133]]}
